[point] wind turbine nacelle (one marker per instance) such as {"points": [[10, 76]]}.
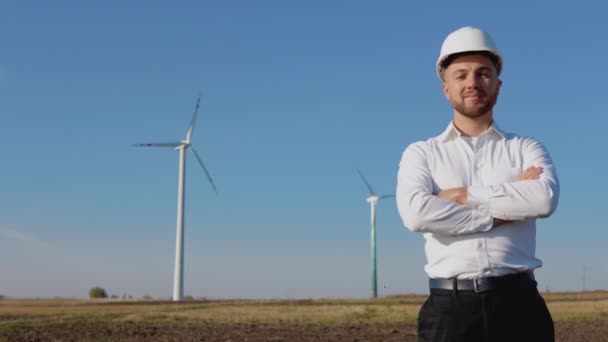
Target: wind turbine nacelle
{"points": [[372, 199], [184, 144]]}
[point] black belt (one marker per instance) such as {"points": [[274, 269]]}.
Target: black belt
{"points": [[524, 280]]}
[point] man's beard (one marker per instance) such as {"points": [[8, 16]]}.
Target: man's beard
{"points": [[476, 110]]}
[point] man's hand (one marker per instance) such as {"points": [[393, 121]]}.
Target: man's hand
{"points": [[458, 195], [531, 173], [498, 222]]}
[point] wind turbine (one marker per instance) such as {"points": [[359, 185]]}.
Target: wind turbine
{"points": [[182, 146], [373, 202]]}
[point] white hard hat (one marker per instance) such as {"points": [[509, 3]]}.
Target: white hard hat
{"points": [[468, 39]]}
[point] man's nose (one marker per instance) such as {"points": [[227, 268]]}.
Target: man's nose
{"points": [[472, 82]]}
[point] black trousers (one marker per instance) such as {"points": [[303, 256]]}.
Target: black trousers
{"points": [[496, 316]]}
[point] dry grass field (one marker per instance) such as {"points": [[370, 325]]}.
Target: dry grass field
{"points": [[578, 316]]}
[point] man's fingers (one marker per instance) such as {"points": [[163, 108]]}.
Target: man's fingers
{"points": [[531, 173]]}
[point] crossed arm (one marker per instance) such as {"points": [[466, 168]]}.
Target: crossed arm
{"points": [[460, 195], [472, 209]]}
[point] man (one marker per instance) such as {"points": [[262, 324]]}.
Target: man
{"points": [[475, 192]]}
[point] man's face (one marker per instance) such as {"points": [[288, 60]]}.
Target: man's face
{"points": [[471, 85]]}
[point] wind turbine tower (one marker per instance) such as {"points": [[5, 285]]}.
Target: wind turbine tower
{"points": [[181, 147], [373, 202]]}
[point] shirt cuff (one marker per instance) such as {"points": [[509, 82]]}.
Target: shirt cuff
{"points": [[481, 220]]}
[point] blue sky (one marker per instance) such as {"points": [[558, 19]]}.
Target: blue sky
{"points": [[296, 96]]}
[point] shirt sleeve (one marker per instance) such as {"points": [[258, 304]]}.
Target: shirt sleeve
{"points": [[424, 212], [522, 200]]}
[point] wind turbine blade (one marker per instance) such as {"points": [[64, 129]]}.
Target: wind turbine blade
{"points": [[200, 161], [168, 144], [369, 187], [386, 196], [193, 121]]}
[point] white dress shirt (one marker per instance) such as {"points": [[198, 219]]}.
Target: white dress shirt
{"points": [[460, 240]]}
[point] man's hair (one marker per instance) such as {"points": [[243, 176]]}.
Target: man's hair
{"points": [[446, 62]]}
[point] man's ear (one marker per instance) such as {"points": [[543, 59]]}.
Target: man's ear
{"points": [[445, 90]]}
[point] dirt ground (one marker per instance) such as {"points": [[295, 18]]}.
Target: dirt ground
{"points": [[572, 331]]}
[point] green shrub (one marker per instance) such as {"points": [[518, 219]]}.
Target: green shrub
{"points": [[97, 292]]}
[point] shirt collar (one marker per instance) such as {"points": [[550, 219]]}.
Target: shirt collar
{"points": [[451, 132]]}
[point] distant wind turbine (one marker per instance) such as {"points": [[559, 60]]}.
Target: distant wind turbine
{"points": [[182, 146], [373, 202]]}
